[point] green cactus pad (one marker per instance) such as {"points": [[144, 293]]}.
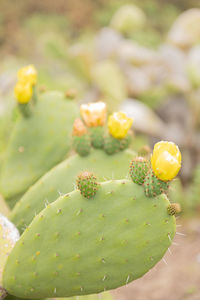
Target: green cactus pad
{"points": [[37, 143], [82, 144], [90, 246], [154, 186], [8, 237], [112, 145], [138, 169], [87, 184], [62, 178], [97, 135]]}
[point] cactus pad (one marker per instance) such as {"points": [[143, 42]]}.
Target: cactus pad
{"points": [[62, 179], [90, 246], [37, 143]]}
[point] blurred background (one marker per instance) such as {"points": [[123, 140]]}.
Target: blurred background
{"points": [[142, 57]]}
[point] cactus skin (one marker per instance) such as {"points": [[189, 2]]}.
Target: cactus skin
{"points": [[90, 246], [154, 186], [37, 143], [138, 169], [174, 208], [111, 145], [87, 184], [97, 136], [61, 180], [82, 144]]}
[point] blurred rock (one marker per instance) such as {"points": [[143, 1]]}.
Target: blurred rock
{"points": [[135, 54], [193, 66], [127, 19], [145, 120], [109, 80], [107, 43], [174, 64], [137, 81], [185, 31]]}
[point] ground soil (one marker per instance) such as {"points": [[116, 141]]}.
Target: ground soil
{"points": [[179, 279]]}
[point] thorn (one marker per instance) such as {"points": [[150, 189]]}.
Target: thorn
{"points": [[170, 251], [104, 277], [178, 225], [164, 261], [127, 279], [169, 238], [99, 296], [180, 233], [55, 291]]}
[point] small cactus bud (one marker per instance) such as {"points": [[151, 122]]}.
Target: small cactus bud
{"points": [[144, 151], [79, 128], [174, 208], [111, 145], [138, 169], [87, 184], [97, 136], [153, 186]]}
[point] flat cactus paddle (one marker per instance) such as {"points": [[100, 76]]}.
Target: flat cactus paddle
{"points": [[37, 143], [62, 179], [78, 246]]}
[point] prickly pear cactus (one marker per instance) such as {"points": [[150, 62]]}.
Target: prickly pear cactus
{"points": [[8, 237], [90, 245], [62, 179], [37, 143]]}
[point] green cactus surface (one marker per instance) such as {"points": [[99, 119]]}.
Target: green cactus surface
{"points": [[62, 178], [37, 143], [78, 246]]}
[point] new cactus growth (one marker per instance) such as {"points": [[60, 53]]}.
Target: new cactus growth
{"points": [[8, 237], [173, 208], [87, 184], [154, 186], [138, 169]]}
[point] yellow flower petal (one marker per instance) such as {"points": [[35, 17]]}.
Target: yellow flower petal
{"points": [[119, 124], [28, 74], [166, 160], [23, 92], [94, 114]]}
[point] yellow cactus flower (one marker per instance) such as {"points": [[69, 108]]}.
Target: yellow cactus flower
{"points": [[27, 74], [79, 128], [166, 160], [23, 92], [94, 114], [119, 124]]}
